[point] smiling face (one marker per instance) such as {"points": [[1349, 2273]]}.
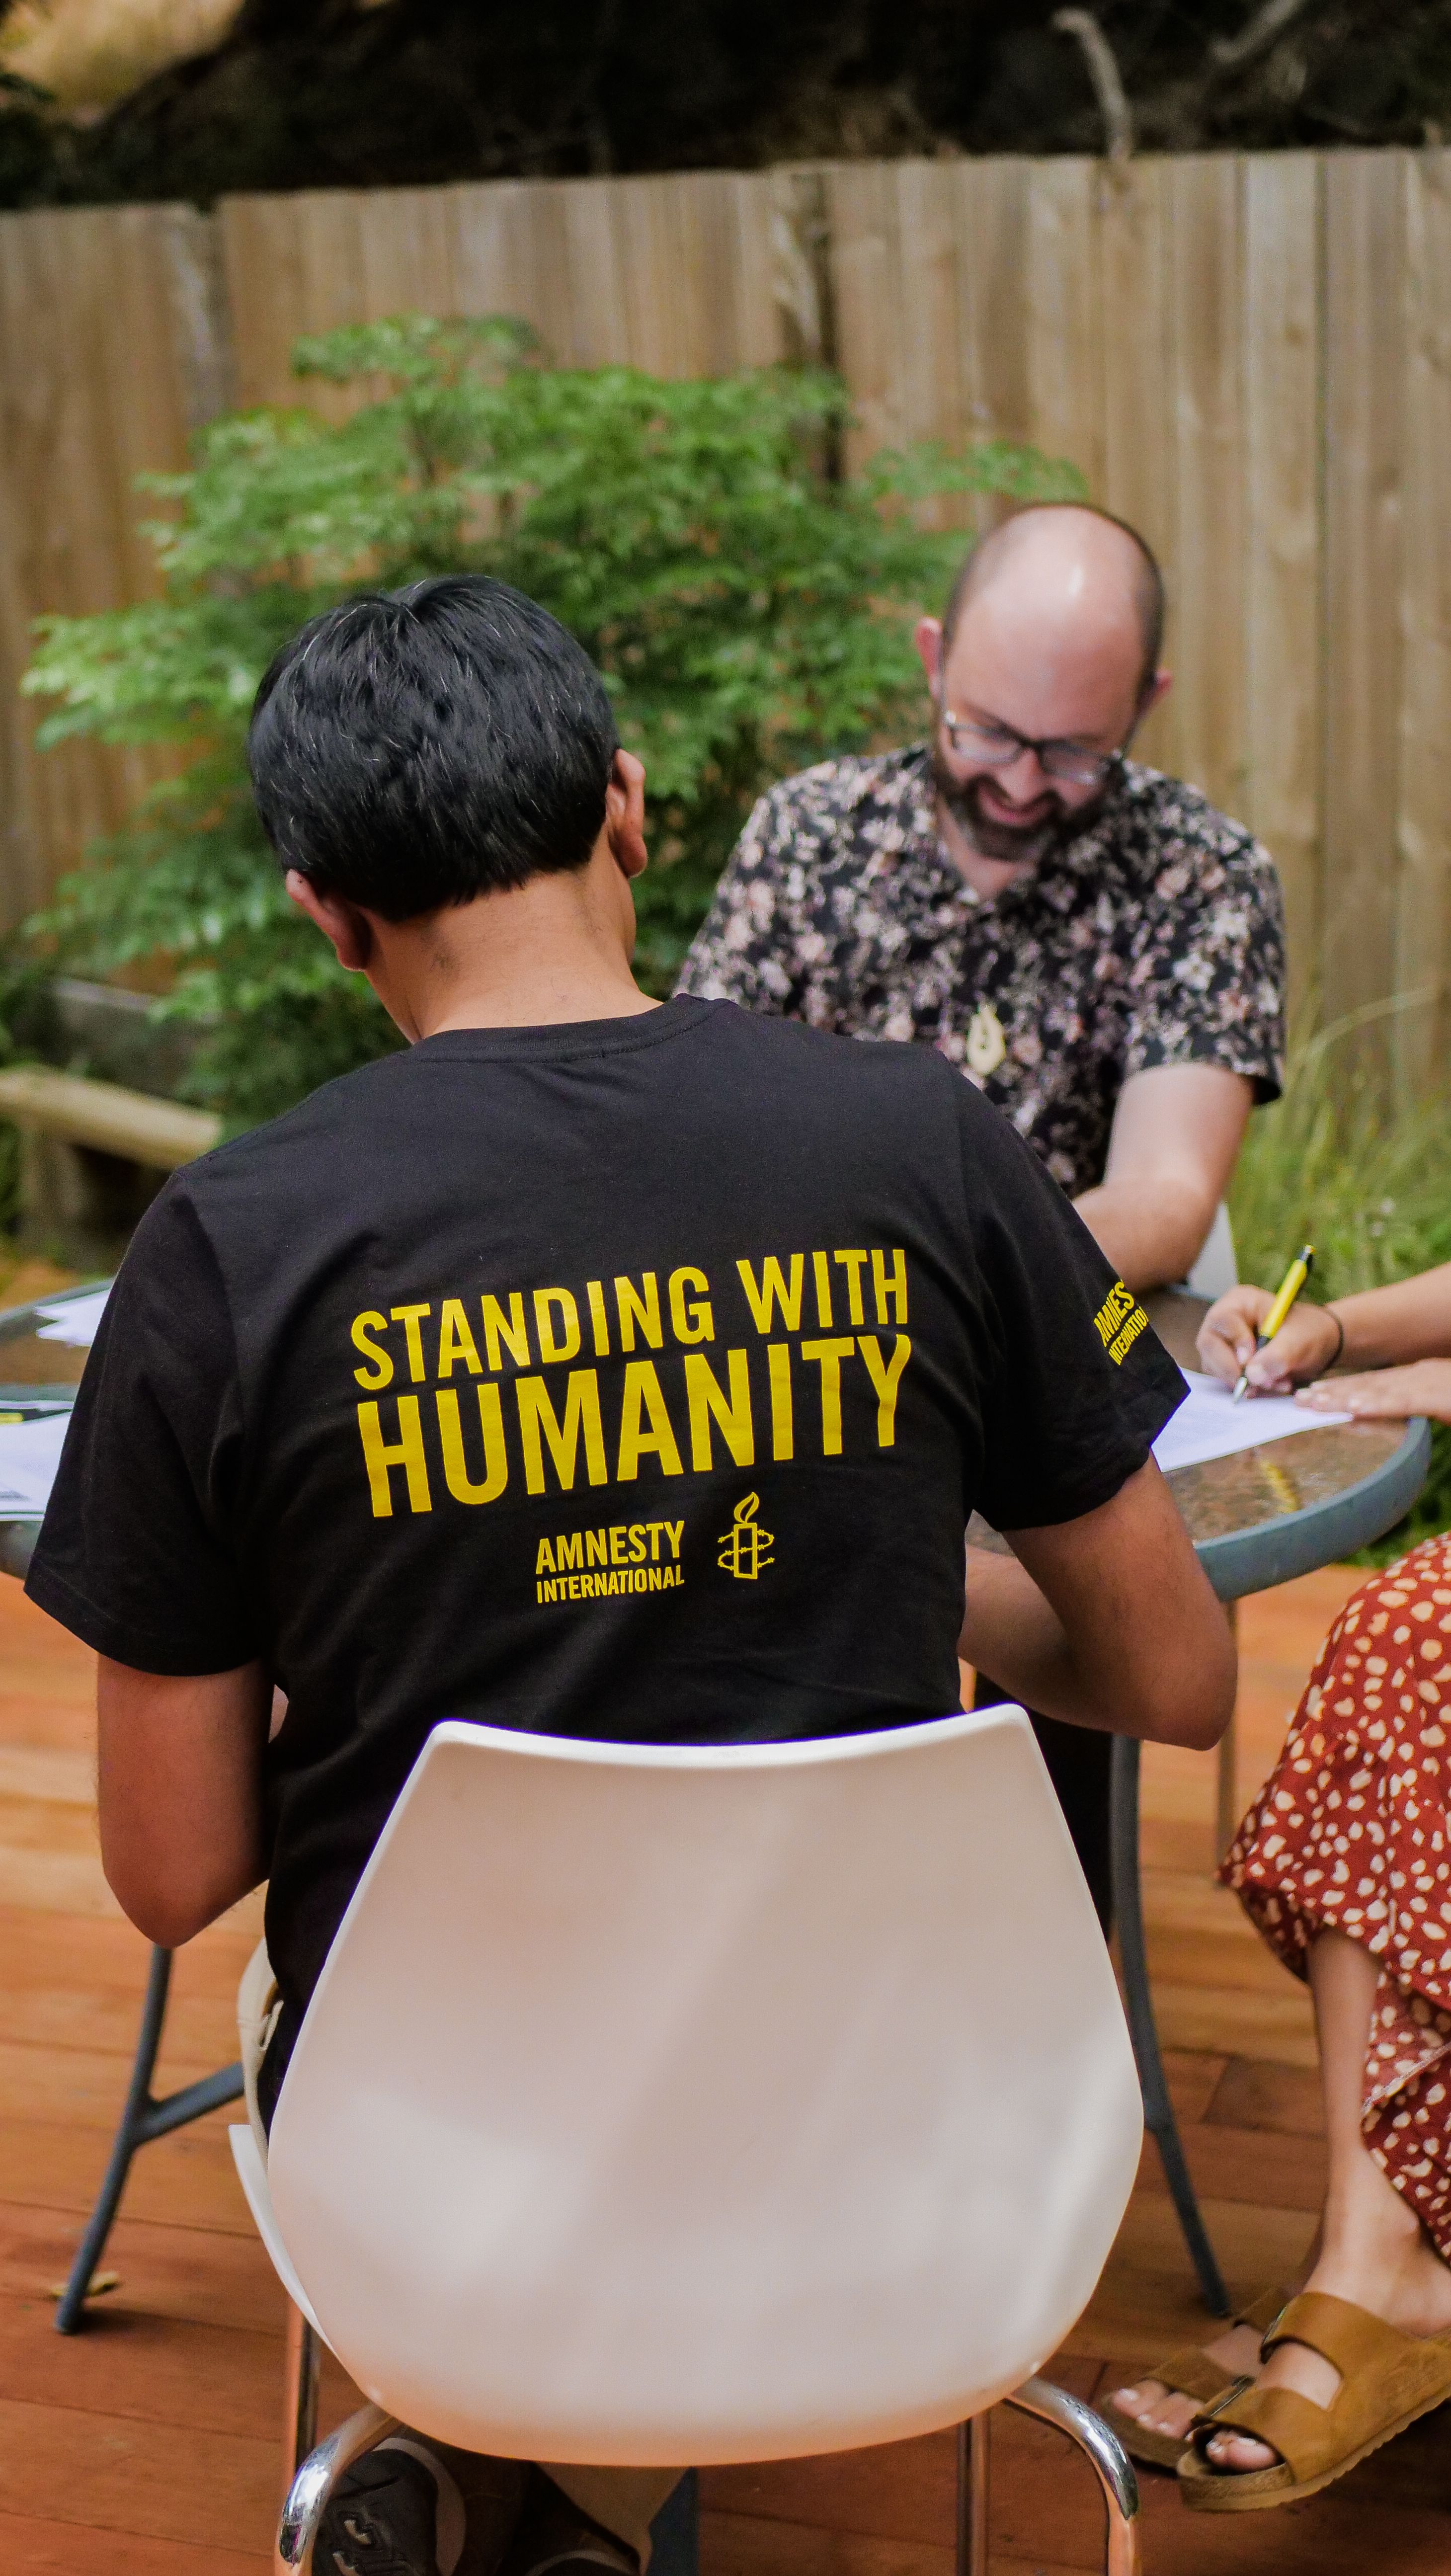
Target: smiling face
{"points": [[1049, 644]]}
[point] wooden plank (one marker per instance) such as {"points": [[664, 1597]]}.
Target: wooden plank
{"points": [[1364, 437], [32, 2547], [1138, 424], [405, 240], [202, 2276], [1239, 2164], [991, 208], [186, 2180], [861, 215], [1283, 358], [593, 330], [933, 396], [1422, 928], [1204, 729], [113, 1958], [1255, 2094], [159, 1133], [160, 2482], [1063, 313], [262, 264]]}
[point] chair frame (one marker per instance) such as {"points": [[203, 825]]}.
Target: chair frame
{"points": [[312, 2470]]}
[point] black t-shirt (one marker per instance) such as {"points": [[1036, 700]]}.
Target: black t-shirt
{"points": [[630, 1380]]}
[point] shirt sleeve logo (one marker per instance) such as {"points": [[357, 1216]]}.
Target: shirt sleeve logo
{"points": [[745, 1547], [1120, 1320]]}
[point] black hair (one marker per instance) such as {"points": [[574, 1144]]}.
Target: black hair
{"points": [[1148, 586], [416, 748]]}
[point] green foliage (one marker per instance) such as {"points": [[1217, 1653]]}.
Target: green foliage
{"points": [[1371, 1188], [750, 614]]}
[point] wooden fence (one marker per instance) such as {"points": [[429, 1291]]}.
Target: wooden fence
{"points": [[1248, 356]]}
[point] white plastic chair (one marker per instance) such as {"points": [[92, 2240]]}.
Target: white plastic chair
{"points": [[669, 2105], [1217, 1266]]}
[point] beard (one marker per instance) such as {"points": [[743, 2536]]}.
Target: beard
{"points": [[1013, 844]]}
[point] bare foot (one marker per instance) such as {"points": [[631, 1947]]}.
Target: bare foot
{"points": [[1378, 2257], [1164, 2410]]}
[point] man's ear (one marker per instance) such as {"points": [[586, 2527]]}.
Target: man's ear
{"points": [[625, 813], [349, 929], [928, 639], [1155, 689]]}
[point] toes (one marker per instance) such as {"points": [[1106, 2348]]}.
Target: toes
{"points": [[1239, 2451], [1173, 2419], [1140, 2400]]}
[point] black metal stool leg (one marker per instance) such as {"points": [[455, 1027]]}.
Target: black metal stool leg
{"points": [[1138, 2003], [143, 2119]]}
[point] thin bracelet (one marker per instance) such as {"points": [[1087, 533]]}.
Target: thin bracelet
{"points": [[1340, 1345]]}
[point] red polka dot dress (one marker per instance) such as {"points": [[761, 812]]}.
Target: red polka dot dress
{"points": [[1352, 1833]]}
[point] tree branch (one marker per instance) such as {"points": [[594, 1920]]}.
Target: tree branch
{"points": [[1103, 71], [1231, 53]]}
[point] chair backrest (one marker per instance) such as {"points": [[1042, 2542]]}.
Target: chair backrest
{"points": [[673, 2105], [1217, 1266]]}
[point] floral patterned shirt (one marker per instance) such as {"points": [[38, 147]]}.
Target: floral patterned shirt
{"points": [[1156, 937]]}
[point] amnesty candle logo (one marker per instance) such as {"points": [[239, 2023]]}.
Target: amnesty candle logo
{"points": [[745, 1547]]}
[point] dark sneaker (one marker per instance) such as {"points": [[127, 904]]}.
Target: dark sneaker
{"points": [[381, 2520]]}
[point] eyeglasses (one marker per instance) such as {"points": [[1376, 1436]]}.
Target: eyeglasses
{"points": [[997, 746]]}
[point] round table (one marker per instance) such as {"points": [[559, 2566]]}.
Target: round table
{"points": [[1256, 1518], [38, 1374]]}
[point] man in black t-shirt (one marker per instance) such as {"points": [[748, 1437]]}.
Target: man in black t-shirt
{"points": [[591, 1366]]}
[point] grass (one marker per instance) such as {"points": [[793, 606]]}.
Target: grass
{"points": [[1328, 1164]]}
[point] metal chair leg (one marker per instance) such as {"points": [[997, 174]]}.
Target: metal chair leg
{"points": [[1138, 2003], [974, 2490], [301, 2377], [143, 2119], [1111, 2462], [314, 2483]]}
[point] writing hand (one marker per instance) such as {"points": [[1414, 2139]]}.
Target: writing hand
{"points": [[1306, 1342]]}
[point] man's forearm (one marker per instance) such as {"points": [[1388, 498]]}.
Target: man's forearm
{"points": [[1107, 1621], [1011, 1632], [1150, 1231]]}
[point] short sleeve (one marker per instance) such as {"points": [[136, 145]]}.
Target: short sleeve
{"points": [[745, 950], [1079, 1385], [1207, 978], [135, 1554]]}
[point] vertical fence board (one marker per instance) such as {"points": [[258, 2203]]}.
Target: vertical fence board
{"points": [[1206, 711], [1364, 427], [262, 262], [93, 391], [861, 217], [1282, 374], [1138, 442], [1062, 309], [1422, 929]]}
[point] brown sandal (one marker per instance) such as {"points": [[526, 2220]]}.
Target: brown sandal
{"points": [[1387, 2380], [1190, 2373]]}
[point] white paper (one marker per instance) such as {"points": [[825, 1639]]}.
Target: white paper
{"points": [[73, 1319], [1209, 1424], [29, 1457]]}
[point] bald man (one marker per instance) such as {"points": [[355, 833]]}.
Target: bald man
{"points": [[1095, 947]]}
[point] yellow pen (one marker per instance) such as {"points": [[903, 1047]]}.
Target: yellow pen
{"points": [[1289, 1289]]}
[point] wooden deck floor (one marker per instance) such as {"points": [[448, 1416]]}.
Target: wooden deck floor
{"points": [[149, 2445]]}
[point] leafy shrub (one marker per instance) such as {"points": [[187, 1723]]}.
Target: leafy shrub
{"points": [[749, 613]]}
